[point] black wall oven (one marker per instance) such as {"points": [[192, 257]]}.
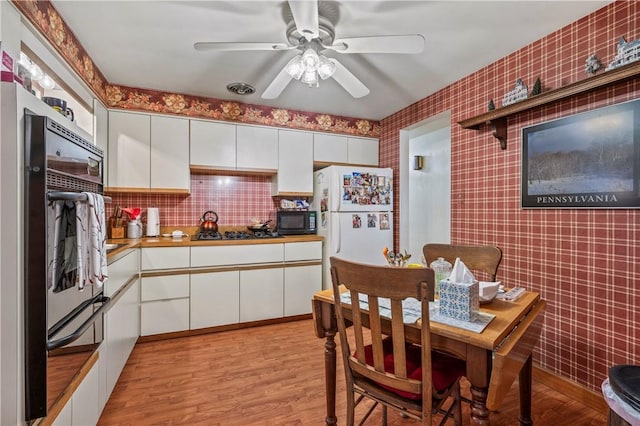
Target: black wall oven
{"points": [[63, 325]]}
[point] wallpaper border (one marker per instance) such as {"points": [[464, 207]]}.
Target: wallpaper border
{"points": [[43, 15]]}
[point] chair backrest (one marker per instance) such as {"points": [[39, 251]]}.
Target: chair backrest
{"points": [[476, 258], [394, 284]]}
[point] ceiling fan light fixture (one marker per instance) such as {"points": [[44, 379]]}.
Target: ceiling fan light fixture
{"points": [[326, 67], [310, 60], [310, 78], [295, 67]]}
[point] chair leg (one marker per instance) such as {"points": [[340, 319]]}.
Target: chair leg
{"points": [[350, 408], [384, 415], [457, 411]]}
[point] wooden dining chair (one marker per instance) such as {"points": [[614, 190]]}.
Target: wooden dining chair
{"points": [[384, 366], [477, 258]]}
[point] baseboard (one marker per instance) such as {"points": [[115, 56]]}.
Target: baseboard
{"points": [[186, 333], [571, 389]]}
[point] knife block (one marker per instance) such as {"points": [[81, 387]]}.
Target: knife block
{"points": [[115, 231]]}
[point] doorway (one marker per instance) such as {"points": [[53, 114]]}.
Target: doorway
{"points": [[425, 189]]}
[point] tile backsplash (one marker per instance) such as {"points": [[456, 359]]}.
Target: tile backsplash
{"points": [[235, 199]]}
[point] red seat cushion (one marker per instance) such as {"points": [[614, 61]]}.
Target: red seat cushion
{"points": [[445, 369]]}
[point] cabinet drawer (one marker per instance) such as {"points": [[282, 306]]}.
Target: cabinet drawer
{"points": [[164, 316], [165, 287], [236, 255], [121, 271], [164, 258], [303, 251]]}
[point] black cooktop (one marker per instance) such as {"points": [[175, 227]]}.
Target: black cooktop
{"points": [[235, 235]]}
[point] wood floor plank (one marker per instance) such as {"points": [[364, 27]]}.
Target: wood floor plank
{"points": [[269, 376]]}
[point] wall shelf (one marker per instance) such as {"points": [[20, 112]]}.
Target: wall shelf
{"points": [[497, 119]]}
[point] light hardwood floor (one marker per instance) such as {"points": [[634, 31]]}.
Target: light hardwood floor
{"points": [[269, 375]]}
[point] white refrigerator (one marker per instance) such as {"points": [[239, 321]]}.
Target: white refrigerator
{"points": [[355, 214]]}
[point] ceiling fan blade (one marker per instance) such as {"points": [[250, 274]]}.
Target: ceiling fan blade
{"points": [[349, 81], [277, 85], [409, 43], [305, 14], [232, 46]]}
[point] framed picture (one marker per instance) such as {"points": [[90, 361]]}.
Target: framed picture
{"points": [[587, 160]]}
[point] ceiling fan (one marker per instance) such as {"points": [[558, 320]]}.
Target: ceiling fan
{"points": [[311, 33]]}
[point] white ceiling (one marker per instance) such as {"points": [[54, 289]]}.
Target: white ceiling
{"points": [[149, 44]]}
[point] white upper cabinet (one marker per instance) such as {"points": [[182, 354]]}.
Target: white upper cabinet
{"points": [[129, 150], [257, 148], [295, 164], [362, 151], [328, 148], [170, 153], [213, 145], [222, 146], [148, 153], [337, 149]]}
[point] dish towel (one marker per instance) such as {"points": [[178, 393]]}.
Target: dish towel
{"points": [[62, 245], [92, 249]]}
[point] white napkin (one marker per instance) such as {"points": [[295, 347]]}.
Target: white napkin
{"points": [[461, 274]]}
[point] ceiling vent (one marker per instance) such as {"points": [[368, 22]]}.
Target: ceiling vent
{"points": [[241, 88]]}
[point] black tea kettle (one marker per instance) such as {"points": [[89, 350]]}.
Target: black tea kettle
{"points": [[209, 222]]}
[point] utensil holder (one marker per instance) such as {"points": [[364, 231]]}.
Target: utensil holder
{"points": [[115, 231]]}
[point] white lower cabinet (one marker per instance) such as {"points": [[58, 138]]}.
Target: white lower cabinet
{"points": [[65, 415], [223, 285], [158, 258], [215, 299], [164, 304], [236, 255], [300, 284], [122, 325], [83, 409], [261, 293]]}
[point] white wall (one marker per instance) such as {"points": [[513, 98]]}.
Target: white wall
{"points": [[11, 393], [425, 195]]}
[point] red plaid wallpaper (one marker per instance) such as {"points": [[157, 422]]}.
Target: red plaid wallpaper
{"points": [[583, 262], [235, 199]]}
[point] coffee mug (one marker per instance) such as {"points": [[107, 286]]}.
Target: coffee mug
{"points": [[69, 114]]}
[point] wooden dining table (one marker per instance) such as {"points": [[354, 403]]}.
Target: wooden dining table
{"points": [[494, 357]]}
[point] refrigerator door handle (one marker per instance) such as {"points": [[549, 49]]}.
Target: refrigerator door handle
{"points": [[336, 233]]}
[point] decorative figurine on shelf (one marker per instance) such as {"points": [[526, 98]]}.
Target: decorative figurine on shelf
{"points": [[537, 87], [592, 65], [519, 93], [627, 53], [492, 106]]}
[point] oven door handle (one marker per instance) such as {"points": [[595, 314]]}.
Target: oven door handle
{"points": [[53, 344]]}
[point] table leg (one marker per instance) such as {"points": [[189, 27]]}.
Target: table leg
{"points": [[330, 376], [525, 393], [479, 411]]}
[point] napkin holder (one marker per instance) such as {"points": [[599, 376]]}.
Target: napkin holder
{"points": [[459, 300]]}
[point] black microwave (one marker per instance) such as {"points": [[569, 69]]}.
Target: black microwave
{"points": [[296, 222]]}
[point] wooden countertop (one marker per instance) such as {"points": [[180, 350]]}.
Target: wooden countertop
{"points": [[128, 243]]}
